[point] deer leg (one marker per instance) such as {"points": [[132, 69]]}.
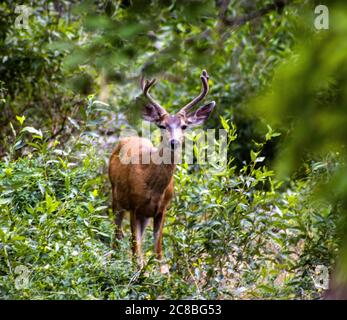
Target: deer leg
{"points": [[119, 215], [158, 238], [118, 222], [144, 223], [136, 238]]}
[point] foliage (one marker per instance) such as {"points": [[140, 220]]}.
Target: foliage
{"points": [[32, 81], [251, 229], [313, 103], [226, 236], [78, 48]]}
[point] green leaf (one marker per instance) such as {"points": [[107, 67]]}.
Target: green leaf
{"points": [[20, 119], [5, 200], [224, 123], [254, 155], [271, 134], [32, 130]]}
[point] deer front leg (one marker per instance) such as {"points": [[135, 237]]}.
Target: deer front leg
{"points": [[118, 228], [158, 238], [136, 240], [119, 215], [118, 222]]}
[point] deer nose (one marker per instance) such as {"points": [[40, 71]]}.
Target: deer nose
{"points": [[174, 144]]}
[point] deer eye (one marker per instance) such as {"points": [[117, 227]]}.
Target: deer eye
{"points": [[184, 127], [161, 126]]}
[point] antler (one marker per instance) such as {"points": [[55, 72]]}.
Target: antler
{"points": [[204, 79], [146, 85]]}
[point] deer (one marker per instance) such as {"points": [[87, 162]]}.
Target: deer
{"points": [[145, 190]]}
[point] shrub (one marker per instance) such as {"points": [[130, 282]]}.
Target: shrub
{"points": [[228, 234]]}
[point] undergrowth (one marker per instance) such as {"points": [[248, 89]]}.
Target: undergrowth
{"points": [[229, 233]]}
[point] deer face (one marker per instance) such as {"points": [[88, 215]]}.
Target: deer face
{"points": [[173, 126]]}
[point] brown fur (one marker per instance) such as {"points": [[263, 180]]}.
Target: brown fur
{"points": [[144, 190]]}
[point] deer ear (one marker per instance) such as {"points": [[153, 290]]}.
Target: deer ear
{"points": [[150, 113], [200, 116]]}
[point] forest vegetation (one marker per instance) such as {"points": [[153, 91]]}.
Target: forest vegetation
{"points": [[270, 224]]}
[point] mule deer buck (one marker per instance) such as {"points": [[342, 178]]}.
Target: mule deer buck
{"points": [[146, 189]]}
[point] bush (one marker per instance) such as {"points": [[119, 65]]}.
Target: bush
{"points": [[228, 234]]}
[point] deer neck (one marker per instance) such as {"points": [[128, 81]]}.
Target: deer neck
{"points": [[162, 172]]}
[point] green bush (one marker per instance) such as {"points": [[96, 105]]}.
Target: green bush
{"points": [[241, 231], [227, 234]]}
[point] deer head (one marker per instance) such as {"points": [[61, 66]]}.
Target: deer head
{"points": [[173, 126]]}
